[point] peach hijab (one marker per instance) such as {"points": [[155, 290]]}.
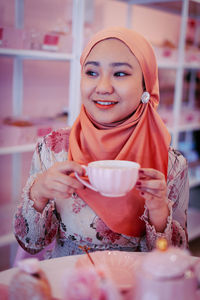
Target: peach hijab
{"points": [[142, 137]]}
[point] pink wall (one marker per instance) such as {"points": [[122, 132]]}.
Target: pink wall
{"points": [[156, 25], [46, 92]]}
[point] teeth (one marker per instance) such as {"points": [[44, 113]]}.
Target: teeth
{"points": [[104, 103]]}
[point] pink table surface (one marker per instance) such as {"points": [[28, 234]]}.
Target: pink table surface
{"points": [[53, 268]]}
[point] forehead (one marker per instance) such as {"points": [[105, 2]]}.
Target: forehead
{"points": [[110, 49]]}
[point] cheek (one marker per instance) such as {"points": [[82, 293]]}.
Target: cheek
{"points": [[131, 95], [86, 88], [128, 91]]}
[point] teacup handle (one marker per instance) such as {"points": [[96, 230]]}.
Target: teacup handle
{"points": [[83, 181]]}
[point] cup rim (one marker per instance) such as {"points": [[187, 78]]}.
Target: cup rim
{"points": [[127, 163]]}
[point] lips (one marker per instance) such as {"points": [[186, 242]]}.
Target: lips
{"points": [[105, 104]]}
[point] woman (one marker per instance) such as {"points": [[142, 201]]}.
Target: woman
{"points": [[118, 120]]}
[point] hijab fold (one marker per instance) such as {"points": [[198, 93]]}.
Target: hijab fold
{"points": [[142, 138]]}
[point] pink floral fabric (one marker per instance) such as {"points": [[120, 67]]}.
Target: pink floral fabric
{"points": [[58, 141], [72, 223]]}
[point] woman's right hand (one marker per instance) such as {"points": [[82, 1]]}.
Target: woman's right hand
{"points": [[55, 183]]}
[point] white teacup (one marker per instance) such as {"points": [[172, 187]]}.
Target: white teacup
{"points": [[111, 178]]}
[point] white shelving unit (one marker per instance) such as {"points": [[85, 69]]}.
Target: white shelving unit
{"points": [[74, 96]]}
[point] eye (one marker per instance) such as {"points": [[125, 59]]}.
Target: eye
{"points": [[91, 73], [121, 74]]}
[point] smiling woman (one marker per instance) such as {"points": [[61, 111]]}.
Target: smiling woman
{"points": [[118, 121]]}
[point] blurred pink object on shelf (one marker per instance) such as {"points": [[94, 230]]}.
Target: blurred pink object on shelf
{"points": [[13, 135], [166, 54], [11, 37], [191, 116], [192, 55], [50, 42], [14, 132]]}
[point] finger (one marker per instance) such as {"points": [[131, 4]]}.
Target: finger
{"points": [[151, 173], [62, 195], [59, 187], [70, 181], [69, 167], [151, 184], [154, 193]]}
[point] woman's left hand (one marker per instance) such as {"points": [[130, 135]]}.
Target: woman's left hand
{"points": [[153, 188]]}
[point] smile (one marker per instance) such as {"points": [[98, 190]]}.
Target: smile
{"points": [[105, 104]]}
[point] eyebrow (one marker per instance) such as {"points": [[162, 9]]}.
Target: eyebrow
{"points": [[115, 64]]}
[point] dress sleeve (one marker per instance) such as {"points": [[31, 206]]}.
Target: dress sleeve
{"points": [[178, 199], [35, 230]]}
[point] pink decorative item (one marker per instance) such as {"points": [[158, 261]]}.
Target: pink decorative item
{"points": [[12, 38], [29, 282], [88, 284], [166, 274], [29, 265], [111, 178], [14, 132], [50, 42]]}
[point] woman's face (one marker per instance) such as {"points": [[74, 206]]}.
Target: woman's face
{"points": [[111, 84]]}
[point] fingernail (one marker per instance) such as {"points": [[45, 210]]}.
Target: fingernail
{"points": [[138, 183]]}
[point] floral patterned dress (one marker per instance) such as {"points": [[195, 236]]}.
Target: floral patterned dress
{"points": [[71, 223]]}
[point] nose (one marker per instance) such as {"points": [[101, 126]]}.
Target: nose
{"points": [[104, 85]]}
